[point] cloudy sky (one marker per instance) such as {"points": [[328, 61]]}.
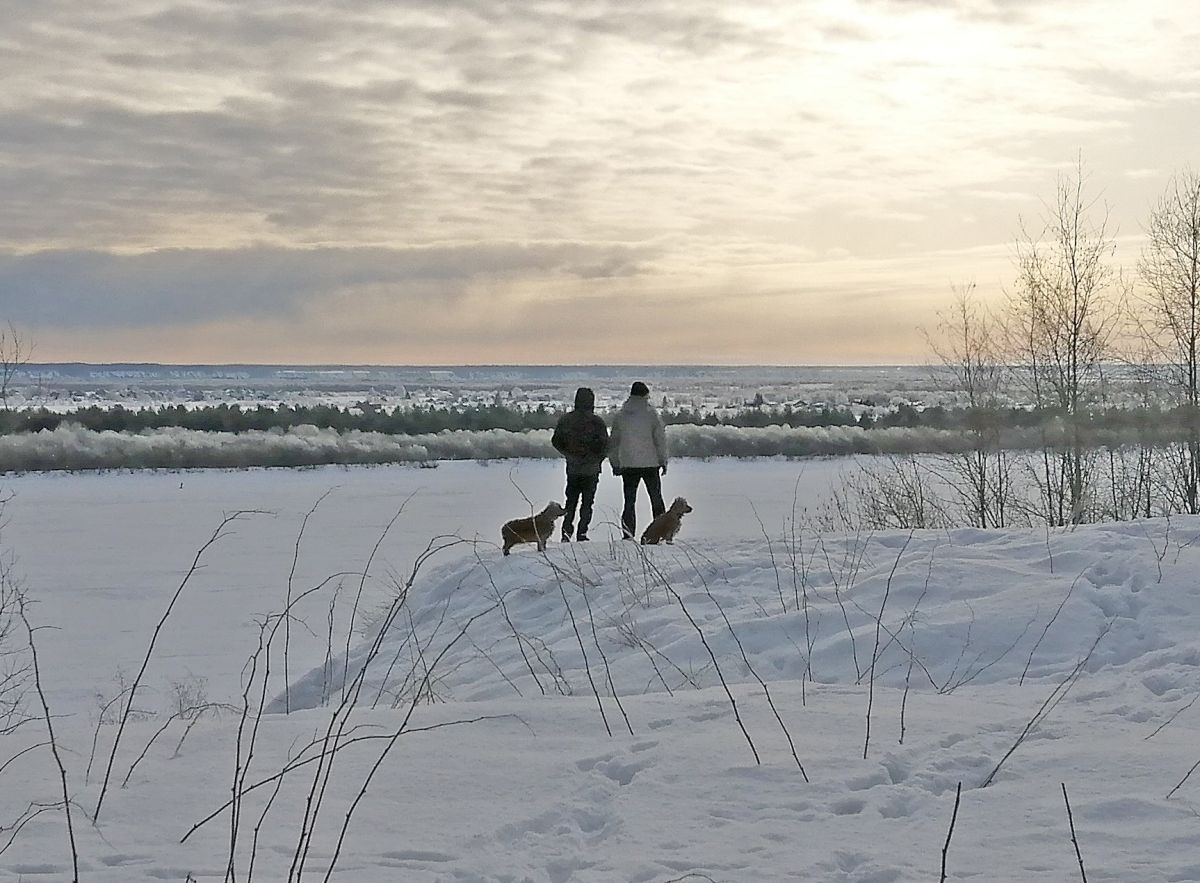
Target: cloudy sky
{"points": [[557, 181]]}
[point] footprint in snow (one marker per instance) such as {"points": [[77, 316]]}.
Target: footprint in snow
{"points": [[418, 855], [621, 770], [898, 768], [856, 867], [618, 767], [119, 859], [1159, 683], [898, 806], [863, 783], [848, 806]]}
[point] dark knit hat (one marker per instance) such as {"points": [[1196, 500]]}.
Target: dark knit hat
{"points": [[639, 389], [585, 399]]}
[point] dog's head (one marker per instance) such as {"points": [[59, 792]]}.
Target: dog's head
{"points": [[680, 506], [553, 510]]}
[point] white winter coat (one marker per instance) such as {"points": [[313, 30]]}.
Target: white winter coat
{"points": [[637, 440]]}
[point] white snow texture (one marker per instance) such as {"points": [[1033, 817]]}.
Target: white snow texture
{"points": [[720, 665]]}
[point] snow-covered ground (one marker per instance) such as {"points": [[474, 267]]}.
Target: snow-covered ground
{"points": [[606, 712]]}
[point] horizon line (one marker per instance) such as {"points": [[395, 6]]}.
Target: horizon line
{"points": [[444, 365]]}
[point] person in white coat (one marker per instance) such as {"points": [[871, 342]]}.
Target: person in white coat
{"points": [[637, 450]]}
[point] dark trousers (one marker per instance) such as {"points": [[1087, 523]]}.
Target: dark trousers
{"points": [[581, 491], [631, 478]]}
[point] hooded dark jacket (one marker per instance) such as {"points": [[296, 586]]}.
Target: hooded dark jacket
{"points": [[581, 436]]}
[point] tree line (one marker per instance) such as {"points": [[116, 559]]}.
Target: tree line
{"points": [[421, 420], [1014, 425]]}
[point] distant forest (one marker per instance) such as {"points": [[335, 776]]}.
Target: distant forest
{"points": [[422, 420]]}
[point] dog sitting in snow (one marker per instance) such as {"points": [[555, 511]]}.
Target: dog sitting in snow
{"points": [[665, 526], [532, 530]]}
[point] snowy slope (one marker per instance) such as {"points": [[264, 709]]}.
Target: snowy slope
{"points": [[721, 665], [973, 606]]}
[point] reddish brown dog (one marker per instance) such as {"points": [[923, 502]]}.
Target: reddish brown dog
{"points": [[536, 529], [665, 526]]}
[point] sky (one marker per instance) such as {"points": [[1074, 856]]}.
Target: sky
{"points": [[559, 181]]}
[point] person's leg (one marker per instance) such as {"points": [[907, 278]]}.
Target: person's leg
{"points": [[573, 490], [587, 489], [629, 482], [654, 489]]}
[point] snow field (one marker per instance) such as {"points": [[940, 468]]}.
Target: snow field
{"points": [[980, 631]]}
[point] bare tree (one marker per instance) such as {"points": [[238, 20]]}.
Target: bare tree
{"points": [[1169, 298], [967, 345], [15, 663], [22, 603], [1061, 320], [896, 492], [15, 351], [1135, 457]]}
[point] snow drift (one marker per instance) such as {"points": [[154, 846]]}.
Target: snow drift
{"points": [[1002, 660], [930, 612], [687, 712]]}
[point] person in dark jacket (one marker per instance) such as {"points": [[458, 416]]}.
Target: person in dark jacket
{"points": [[637, 451], [582, 438]]}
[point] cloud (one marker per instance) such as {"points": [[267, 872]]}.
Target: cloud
{"points": [[164, 161], [71, 289]]}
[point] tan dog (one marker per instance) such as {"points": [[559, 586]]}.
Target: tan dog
{"points": [[532, 530], [665, 526]]}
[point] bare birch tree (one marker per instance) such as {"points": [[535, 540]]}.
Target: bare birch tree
{"points": [[1134, 456], [1169, 298], [14, 658], [1062, 317], [15, 352], [966, 344]]}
